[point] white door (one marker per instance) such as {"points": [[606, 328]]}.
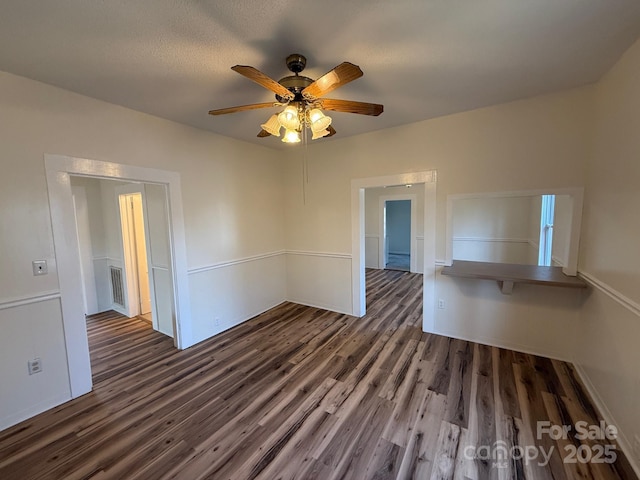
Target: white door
{"points": [[140, 249]]}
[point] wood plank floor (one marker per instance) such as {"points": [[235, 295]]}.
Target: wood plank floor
{"points": [[303, 393]]}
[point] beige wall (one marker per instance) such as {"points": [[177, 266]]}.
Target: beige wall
{"points": [[526, 145], [233, 211], [496, 229], [610, 249]]}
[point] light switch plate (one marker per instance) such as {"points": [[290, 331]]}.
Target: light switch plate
{"points": [[40, 267]]}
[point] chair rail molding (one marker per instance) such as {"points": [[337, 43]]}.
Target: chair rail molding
{"points": [[29, 299], [626, 302]]}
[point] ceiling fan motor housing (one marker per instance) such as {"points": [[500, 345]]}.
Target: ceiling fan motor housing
{"points": [[296, 62], [295, 84]]}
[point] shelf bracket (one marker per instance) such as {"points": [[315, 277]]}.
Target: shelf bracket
{"points": [[506, 287]]}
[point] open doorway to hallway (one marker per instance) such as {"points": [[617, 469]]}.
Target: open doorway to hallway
{"points": [[394, 227], [397, 234], [362, 237], [124, 250]]}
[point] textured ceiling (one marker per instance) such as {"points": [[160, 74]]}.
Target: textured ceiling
{"points": [[421, 58]]}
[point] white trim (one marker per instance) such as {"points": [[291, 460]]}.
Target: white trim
{"points": [[622, 440], [319, 254], [331, 308], [440, 263], [611, 292], [519, 193], [358, 186], [230, 263], [490, 239], [32, 411], [58, 169], [29, 299], [254, 258], [372, 235], [573, 239]]}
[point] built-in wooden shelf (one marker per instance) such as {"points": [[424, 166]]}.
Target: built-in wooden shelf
{"points": [[508, 274]]}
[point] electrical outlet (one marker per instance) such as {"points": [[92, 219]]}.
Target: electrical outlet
{"points": [[35, 366], [40, 267], [441, 304]]}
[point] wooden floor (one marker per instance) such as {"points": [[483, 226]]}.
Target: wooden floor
{"points": [[304, 393]]}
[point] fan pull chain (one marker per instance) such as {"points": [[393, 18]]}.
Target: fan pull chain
{"points": [[305, 169]]}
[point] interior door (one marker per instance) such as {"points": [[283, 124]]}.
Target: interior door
{"points": [[141, 253]]}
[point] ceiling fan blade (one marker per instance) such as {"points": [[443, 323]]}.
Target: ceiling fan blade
{"points": [[263, 133], [341, 75], [262, 79], [332, 131], [241, 108], [349, 106]]}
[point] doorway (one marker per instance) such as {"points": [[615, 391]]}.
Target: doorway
{"points": [[135, 253], [146, 249], [397, 235], [427, 242], [163, 185]]}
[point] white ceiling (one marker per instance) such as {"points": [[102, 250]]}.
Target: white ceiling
{"points": [[421, 58]]}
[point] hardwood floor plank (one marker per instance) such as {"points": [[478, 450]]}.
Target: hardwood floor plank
{"points": [[420, 453], [410, 396], [304, 393], [506, 385], [445, 457], [533, 411], [459, 393]]}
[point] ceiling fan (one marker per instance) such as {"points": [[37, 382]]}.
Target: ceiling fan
{"points": [[303, 99]]}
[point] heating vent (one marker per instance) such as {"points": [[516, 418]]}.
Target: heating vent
{"points": [[117, 285]]}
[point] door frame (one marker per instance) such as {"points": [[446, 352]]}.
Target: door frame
{"points": [[358, 287], [58, 169], [413, 249]]}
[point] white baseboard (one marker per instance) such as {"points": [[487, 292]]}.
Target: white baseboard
{"points": [[622, 440], [332, 308], [43, 406]]}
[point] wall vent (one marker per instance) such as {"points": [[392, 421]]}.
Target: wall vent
{"points": [[117, 285]]}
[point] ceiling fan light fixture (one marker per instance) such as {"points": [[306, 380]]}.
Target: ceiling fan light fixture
{"points": [[319, 134], [272, 125], [291, 136], [318, 120], [289, 119], [302, 99]]}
